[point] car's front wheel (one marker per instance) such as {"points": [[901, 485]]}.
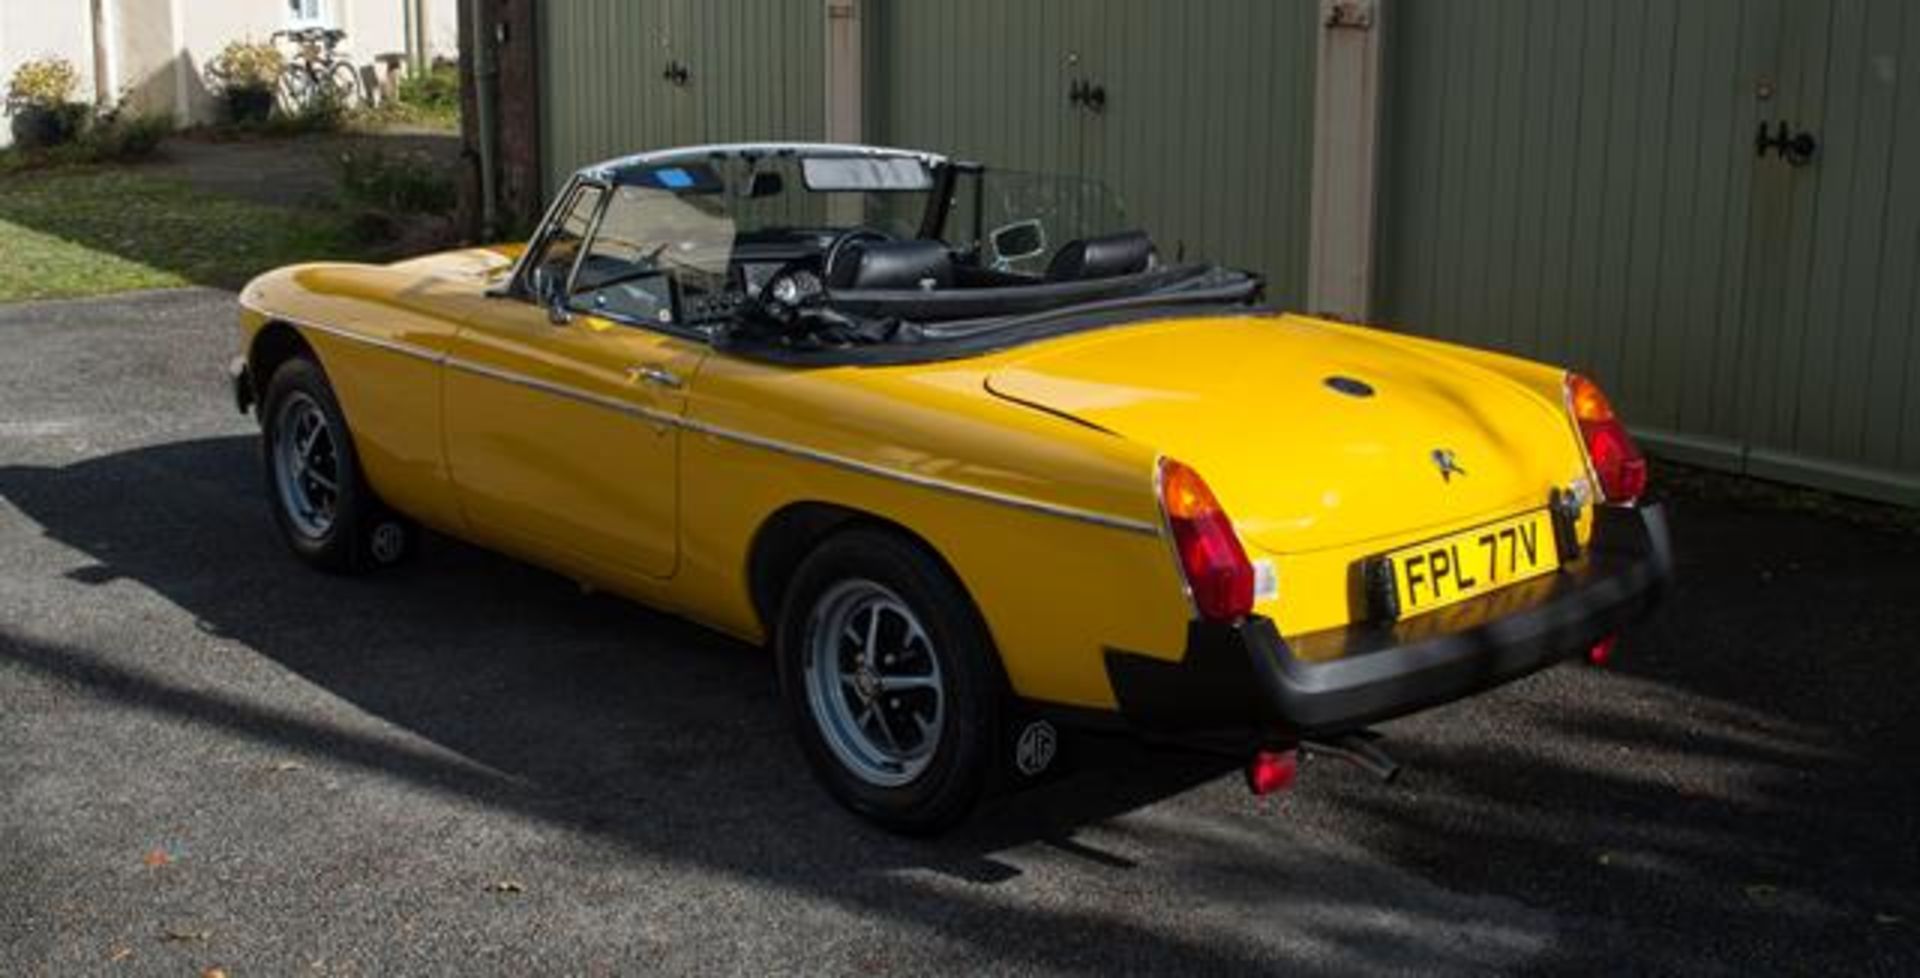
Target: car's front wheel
{"points": [[891, 680], [325, 510]]}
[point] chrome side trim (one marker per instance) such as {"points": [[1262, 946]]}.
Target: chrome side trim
{"points": [[739, 437], [561, 390], [925, 482], [393, 346]]}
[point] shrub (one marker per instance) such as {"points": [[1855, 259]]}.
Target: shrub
{"points": [[246, 65], [115, 138], [436, 89], [408, 183], [45, 83], [40, 99], [112, 138], [319, 114]]}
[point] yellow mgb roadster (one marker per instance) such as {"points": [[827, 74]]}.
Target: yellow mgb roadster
{"points": [[975, 460]]}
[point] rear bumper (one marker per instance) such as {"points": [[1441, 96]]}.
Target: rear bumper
{"points": [[1246, 678]]}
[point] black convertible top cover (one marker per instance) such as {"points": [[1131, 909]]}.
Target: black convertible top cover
{"points": [[893, 327]]}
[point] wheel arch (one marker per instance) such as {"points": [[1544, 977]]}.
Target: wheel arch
{"points": [[789, 534], [276, 342]]}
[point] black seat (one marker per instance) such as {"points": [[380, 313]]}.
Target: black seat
{"points": [[893, 265], [1107, 256]]}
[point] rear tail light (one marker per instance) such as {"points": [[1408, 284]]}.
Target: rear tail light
{"points": [[1218, 574], [1616, 460]]}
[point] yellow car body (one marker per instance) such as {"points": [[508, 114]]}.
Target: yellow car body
{"points": [[1030, 471]]}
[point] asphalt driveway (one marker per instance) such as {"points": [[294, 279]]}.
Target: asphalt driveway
{"points": [[211, 757]]}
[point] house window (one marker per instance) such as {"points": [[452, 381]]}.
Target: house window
{"points": [[307, 12]]}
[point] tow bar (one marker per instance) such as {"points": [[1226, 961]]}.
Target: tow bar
{"points": [[1273, 769], [1359, 749]]}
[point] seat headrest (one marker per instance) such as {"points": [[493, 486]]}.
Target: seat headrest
{"points": [[1107, 256], [893, 265]]}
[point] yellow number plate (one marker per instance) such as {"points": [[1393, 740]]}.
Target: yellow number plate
{"points": [[1454, 568]]}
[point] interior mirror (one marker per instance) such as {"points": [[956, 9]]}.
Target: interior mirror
{"points": [[864, 173], [766, 183], [1021, 239]]}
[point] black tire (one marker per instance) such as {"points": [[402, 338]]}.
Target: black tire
{"points": [[360, 533], [960, 764]]}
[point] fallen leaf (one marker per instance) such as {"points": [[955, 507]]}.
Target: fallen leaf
{"points": [[1606, 859], [285, 766], [183, 936], [505, 886], [1888, 919], [156, 859], [120, 954], [213, 973]]}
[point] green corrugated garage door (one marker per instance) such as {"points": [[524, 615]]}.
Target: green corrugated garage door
{"points": [[753, 70], [1206, 129], [1579, 181]]}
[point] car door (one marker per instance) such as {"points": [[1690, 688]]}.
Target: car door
{"points": [[562, 426]]}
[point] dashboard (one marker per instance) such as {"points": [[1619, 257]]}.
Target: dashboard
{"points": [[787, 262]]}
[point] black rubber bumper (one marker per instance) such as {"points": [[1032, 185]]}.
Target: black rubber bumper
{"points": [[1246, 678]]}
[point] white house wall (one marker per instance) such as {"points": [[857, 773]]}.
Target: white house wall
{"points": [[159, 49]]}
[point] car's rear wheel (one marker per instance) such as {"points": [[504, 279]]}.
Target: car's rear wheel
{"points": [[891, 680], [325, 510]]}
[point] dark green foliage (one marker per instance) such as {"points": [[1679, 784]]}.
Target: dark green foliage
{"points": [[436, 89], [126, 139], [402, 183], [112, 137], [49, 126]]}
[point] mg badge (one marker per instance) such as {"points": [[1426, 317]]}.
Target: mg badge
{"points": [[1448, 465], [1036, 747]]}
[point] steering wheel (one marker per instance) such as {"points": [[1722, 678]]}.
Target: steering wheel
{"points": [[831, 259], [793, 287]]}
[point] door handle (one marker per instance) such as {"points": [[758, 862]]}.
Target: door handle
{"points": [[1088, 95], [1796, 148], [656, 375]]}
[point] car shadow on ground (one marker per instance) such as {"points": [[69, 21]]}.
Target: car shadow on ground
{"points": [[584, 710], [1770, 796]]}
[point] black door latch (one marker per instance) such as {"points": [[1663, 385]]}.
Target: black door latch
{"points": [[1796, 148], [676, 73], [1087, 95]]}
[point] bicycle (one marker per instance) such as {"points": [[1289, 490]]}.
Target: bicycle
{"points": [[316, 76]]}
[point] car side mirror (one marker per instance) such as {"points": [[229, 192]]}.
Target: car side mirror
{"points": [[551, 291], [1021, 239]]}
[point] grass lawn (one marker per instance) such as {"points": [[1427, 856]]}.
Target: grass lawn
{"points": [[92, 231]]}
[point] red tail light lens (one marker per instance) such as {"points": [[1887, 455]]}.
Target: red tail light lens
{"points": [[1218, 573], [1617, 461]]}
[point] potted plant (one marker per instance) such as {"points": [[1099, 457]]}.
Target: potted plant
{"points": [[245, 73], [40, 100]]}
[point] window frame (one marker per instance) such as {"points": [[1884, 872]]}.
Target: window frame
{"points": [[520, 286], [573, 288], [609, 193], [322, 15]]}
